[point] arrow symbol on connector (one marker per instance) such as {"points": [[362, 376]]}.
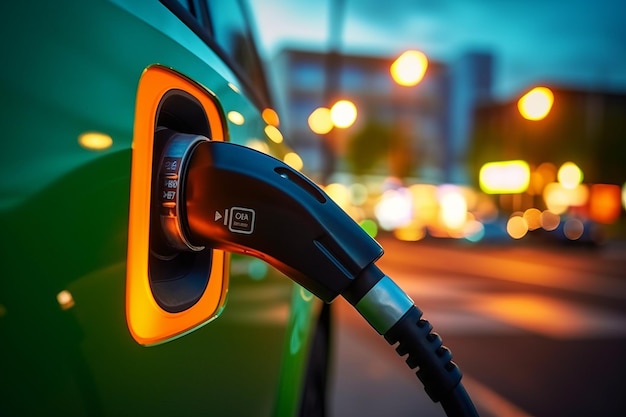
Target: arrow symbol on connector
{"points": [[219, 216]]}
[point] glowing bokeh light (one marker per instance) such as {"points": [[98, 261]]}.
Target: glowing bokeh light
{"points": [[65, 299], [536, 104], [274, 134], [559, 198], [474, 231], [549, 220], [573, 229], [533, 218], [505, 177], [570, 175], [409, 68], [370, 227], [320, 121], [343, 113], [412, 232], [453, 209], [270, 117], [339, 193], [293, 160], [258, 145], [236, 118], [516, 227], [394, 209], [425, 202], [604, 203]]}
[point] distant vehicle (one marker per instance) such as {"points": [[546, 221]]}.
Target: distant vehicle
{"points": [[85, 85]]}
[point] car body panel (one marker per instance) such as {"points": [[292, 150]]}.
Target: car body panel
{"points": [[74, 67]]}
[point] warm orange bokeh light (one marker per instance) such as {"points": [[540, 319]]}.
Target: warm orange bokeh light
{"points": [[604, 204], [409, 68], [573, 229], [536, 104], [558, 198], [270, 117], [517, 227], [549, 220], [533, 218], [320, 121]]}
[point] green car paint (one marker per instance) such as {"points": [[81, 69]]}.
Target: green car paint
{"points": [[71, 67]]}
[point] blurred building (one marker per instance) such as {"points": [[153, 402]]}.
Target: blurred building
{"points": [[420, 132]]}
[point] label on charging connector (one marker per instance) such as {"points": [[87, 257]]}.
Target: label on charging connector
{"points": [[241, 220]]}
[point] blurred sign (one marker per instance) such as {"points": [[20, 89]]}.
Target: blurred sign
{"points": [[504, 177]]}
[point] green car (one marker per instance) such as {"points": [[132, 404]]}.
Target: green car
{"points": [[91, 312]]}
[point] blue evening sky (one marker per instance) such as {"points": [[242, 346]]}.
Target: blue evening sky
{"points": [[578, 43]]}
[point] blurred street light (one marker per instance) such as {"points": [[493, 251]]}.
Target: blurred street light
{"points": [[536, 104], [320, 121], [273, 133], [293, 160], [569, 175], [343, 113], [409, 68]]}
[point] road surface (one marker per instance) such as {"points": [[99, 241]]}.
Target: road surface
{"points": [[537, 330]]}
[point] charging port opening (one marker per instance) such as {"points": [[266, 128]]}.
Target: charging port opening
{"points": [[170, 289], [178, 275]]}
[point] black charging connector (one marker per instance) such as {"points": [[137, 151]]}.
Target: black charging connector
{"points": [[240, 200]]}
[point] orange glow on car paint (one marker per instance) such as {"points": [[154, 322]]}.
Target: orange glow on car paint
{"points": [[95, 141], [148, 323], [270, 117]]}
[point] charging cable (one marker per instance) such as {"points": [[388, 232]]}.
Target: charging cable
{"points": [[240, 200]]}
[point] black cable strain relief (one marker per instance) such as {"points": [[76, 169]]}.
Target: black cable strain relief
{"points": [[425, 350]]}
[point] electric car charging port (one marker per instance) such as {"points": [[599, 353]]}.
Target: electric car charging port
{"points": [[178, 270], [172, 286]]}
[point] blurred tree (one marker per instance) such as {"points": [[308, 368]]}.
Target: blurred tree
{"points": [[368, 147], [401, 155]]}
